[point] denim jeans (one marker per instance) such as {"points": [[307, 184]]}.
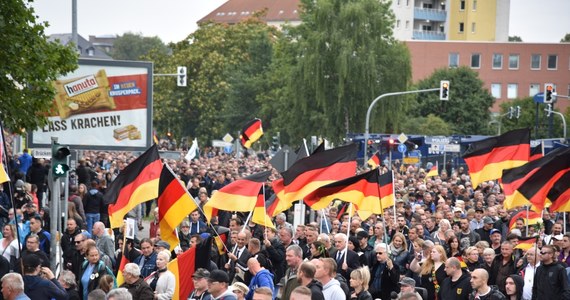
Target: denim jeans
{"points": [[91, 219]]}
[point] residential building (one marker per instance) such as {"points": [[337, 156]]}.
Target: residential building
{"points": [[508, 70], [84, 47], [103, 42], [275, 12]]}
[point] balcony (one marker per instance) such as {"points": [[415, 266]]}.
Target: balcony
{"points": [[430, 14], [428, 35]]}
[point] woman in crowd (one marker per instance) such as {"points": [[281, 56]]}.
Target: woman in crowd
{"points": [[471, 258], [318, 250], [67, 281], [72, 213], [240, 289], [9, 244], [488, 257], [359, 280], [432, 271], [82, 190], [162, 281], [91, 271], [453, 249], [398, 252], [106, 283], [439, 236]]}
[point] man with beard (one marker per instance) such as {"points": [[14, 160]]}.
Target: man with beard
{"points": [[503, 265], [467, 237], [306, 277], [485, 231], [551, 280]]}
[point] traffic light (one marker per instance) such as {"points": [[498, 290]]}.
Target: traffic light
{"points": [[275, 143], [548, 93], [181, 79], [59, 155], [549, 110], [444, 90], [518, 112], [391, 143], [511, 112]]}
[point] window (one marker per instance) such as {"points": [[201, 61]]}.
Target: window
{"points": [[497, 61], [568, 90], [552, 61], [461, 27], [496, 90], [462, 5], [398, 2], [533, 89], [475, 61], [512, 90], [453, 60], [407, 2], [535, 62], [407, 24], [473, 27], [397, 23], [427, 5], [513, 61], [474, 5], [426, 27]]}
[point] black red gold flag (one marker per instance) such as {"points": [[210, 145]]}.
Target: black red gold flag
{"points": [[251, 133], [536, 152], [136, 184], [487, 159], [186, 264], [374, 161]]}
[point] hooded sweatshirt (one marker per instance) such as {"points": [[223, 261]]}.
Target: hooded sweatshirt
{"points": [[460, 289], [333, 291], [262, 278], [316, 290], [519, 283], [38, 288]]}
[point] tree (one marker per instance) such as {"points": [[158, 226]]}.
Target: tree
{"points": [[566, 38], [345, 56], [430, 125], [515, 38], [528, 118], [133, 46], [468, 107], [28, 66]]}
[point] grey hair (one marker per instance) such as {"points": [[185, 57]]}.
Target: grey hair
{"points": [[282, 216], [132, 269], [68, 278], [323, 237], [119, 294], [296, 250], [14, 281]]}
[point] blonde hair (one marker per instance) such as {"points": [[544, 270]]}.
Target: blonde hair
{"points": [[362, 274], [429, 264], [402, 237]]}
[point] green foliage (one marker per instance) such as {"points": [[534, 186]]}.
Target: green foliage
{"points": [[467, 110], [430, 125], [28, 66], [515, 38], [528, 119], [566, 38], [134, 46]]}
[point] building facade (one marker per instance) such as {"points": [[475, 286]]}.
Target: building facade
{"points": [[508, 70]]}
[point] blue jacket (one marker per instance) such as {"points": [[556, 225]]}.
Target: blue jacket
{"points": [[262, 278], [149, 264], [39, 288], [25, 161]]}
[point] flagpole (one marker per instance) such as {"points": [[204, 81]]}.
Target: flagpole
{"points": [[384, 234], [323, 218], [527, 208], [10, 190], [305, 144], [350, 208], [394, 195], [265, 216]]}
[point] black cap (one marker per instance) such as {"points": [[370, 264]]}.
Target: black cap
{"points": [[219, 276]]}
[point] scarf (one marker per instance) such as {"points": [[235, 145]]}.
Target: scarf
{"points": [[395, 251], [155, 279]]}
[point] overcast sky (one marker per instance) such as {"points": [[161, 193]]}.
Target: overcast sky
{"points": [[173, 20]]}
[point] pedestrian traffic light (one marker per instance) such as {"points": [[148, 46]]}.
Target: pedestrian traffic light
{"points": [[444, 90], [181, 80], [518, 112], [548, 93], [59, 155]]}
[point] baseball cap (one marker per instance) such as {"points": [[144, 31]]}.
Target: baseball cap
{"points": [[488, 220], [479, 209], [408, 281], [201, 273], [457, 209], [219, 276], [494, 230], [162, 244]]}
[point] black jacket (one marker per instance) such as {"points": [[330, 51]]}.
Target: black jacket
{"points": [[316, 290], [38, 288], [494, 294], [276, 253], [389, 280], [140, 290], [364, 295], [459, 290], [550, 282]]}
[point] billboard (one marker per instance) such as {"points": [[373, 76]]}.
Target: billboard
{"points": [[103, 105]]}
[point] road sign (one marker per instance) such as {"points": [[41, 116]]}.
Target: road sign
{"points": [[538, 98], [411, 160], [228, 138], [452, 148], [402, 148], [437, 140], [402, 138], [414, 153]]}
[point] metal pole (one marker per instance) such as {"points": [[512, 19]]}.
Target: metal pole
{"points": [[369, 112], [389, 159], [74, 35], [563, 120], [55, 195]]}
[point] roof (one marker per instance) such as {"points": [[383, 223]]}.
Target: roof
{"points": [[234, 11], [86, 49]]}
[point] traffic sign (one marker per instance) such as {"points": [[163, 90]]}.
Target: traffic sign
{"points": [[402, 138], [228, 138], [411, 160], [415, 153], [402, 148]]}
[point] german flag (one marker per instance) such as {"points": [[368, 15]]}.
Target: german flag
{"points": [[434, 171], [374, 161], [322, 168], [537, 187], [487, 159], [120, 277], [259, 215], [536, 152], [362, 190], [186, 264], [513, 178], [137, 183], [559, 194], [386, 182], [221, 239], [526, 243], [251, 132], [174, 204], [240, 195], [3, 174], [530, 219]]}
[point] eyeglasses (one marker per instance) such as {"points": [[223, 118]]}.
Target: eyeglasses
{"points": [[379, 253], [79, 242], [543, 253]]}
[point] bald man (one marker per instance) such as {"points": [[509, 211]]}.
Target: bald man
{"points": [[481, 290], [261, 277]]}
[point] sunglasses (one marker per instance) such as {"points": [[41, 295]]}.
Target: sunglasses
{"points": [[78, 242], [379, 253], [543, 253]]}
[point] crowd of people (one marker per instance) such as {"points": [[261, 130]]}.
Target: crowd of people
{"points": [[443, 239]]}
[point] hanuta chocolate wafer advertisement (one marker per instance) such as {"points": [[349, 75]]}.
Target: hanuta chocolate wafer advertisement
{"points": [[102, 105]]}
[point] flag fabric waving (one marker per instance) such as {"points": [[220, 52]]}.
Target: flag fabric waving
{"points": [[487, 159], [559, 194], [374, 161], [526, 243], [434, 171], [174, 204], [186, 264], [137, 183], [3, 174], [251, 133], [259, 215], [536, 152], [193, 151], [529, 218], [321, 168], [240, 195]]}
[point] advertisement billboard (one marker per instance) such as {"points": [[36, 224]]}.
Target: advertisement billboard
{"points": [[103, 105]]}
